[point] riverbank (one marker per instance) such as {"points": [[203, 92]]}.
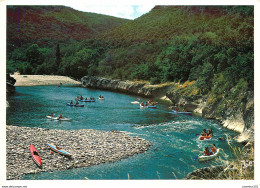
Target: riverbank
{"points": [[40, 80], [88, 147]]}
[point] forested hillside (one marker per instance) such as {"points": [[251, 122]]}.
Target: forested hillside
{"points": [[212, 46], [33, 33]]}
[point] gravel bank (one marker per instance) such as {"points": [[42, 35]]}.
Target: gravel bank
{"points": [[38, 80], [88, 147]]}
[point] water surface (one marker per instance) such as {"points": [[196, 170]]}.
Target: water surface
{"points": [[174, 138]]}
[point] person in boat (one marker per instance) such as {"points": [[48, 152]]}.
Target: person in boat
{"points": [[206, 151], [81, 98], [60, 117], [146, 103], [204, 133], [71, 102], [86, 99], [142, 103], [52, 115], [77, 102], [210, 133], [213, 149]]}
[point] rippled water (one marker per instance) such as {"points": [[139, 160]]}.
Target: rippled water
{"points": [[174, 138]]}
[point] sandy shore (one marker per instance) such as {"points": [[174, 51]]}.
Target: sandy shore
{"points": [[38, 80], [87, 146]]}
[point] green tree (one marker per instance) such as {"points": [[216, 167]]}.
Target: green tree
{"points": [[58, 56]]}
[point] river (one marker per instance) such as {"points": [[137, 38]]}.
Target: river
{"points": [[174, 138]]}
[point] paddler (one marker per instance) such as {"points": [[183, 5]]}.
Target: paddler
{"points": [[60, 117], [206, 151], [71, 102], [214, 148], [52, 115], [142, 103], [210, 133], [204, 133]]}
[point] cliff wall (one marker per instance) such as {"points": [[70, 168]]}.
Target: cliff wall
{"points": [[136, 88], [235, 118]]}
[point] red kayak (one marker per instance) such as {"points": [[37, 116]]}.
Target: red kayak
{"points": [[205, 137], [35, 155]]}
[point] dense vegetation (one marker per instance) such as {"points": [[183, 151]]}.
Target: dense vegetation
{"points": [[211, 45], [37, 30]]}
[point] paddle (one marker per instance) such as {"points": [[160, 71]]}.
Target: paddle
{"points": [[196, 157]]}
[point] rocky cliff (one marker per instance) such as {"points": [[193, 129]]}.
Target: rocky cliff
{"points": [[136, 88], [237, 117]]}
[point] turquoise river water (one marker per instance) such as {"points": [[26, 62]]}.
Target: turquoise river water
{"points": [[174, 139]]}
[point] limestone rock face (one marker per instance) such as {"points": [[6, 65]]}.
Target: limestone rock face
{"points": [[137, 88], [237, 119]]}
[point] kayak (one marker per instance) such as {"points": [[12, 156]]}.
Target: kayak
{"points": [[101, 98], [206, 158], [135, 102], [35, 155], [60, 119], [152, 106], [205, 137], [87, 100], [60, 151], [75, 105], [181, 113]]}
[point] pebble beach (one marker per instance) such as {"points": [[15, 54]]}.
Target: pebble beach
{"points": [[88, 147]]}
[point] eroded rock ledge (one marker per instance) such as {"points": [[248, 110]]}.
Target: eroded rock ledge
{"points": [[87, 146], [130, 87]]}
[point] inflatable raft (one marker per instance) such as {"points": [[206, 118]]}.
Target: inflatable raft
{"points": [[205, 137]]}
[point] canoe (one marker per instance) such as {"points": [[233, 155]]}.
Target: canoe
{"points": [[135, 102], [60, 119], [65, 119], [35, 155], [181, 113], [205, 137], [206, 158], [52, 118], [75, 105], [60, 151]]}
